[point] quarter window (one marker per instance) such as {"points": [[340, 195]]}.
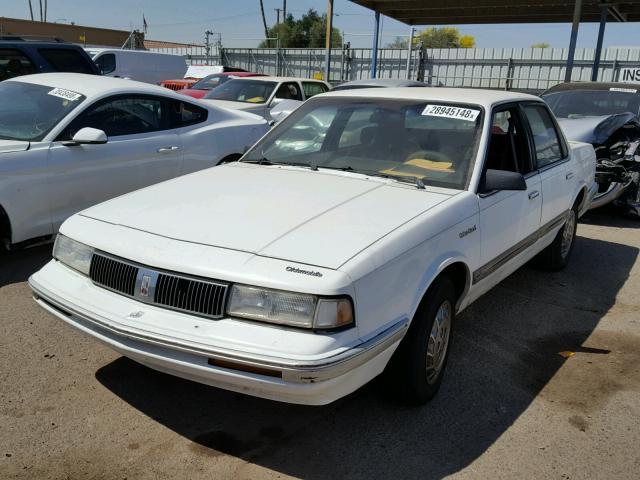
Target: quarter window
{"points": [[188, 114], [13, 63], [545, 136], [66, 60], [313, 88], [122, 116]]}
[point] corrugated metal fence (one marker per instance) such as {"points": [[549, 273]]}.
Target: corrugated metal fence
{"points": [[526, 69]]}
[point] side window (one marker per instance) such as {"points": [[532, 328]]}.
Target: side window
{"points": [[289, 91], [121, 116], [66, 60], [106, 63], [187, 114], [313, 88], [545, 137], [508, 146], [13, 63]]}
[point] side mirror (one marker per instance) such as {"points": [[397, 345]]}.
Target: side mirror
{"points": [[502, 180], [89, 136]]}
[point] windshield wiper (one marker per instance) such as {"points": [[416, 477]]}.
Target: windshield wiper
{"points": [[374, 173], [266, 161]]}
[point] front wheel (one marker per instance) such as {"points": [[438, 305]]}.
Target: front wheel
{"points": [[417, 367], [556, 256]]}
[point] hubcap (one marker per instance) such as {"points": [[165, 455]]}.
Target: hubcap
{"points": [[567, 234], [438, 341]]}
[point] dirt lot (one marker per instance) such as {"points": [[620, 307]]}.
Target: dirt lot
{"points": [[510, 407]]}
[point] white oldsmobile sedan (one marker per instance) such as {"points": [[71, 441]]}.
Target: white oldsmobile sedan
{"points": [[343, 244], [69, 141]]}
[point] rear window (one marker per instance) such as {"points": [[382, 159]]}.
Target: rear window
{"points": [[66, 60], [13, 63]]}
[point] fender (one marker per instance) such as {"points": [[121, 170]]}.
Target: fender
{"points": [[437, 267]]}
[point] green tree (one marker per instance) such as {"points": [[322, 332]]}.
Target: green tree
{"points": [[307, 32], [540, 45], [445, 37], [398, 42]]}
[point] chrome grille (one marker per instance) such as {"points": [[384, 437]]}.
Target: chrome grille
{"points": [[190, 295], [164, 289], [113, 274]]}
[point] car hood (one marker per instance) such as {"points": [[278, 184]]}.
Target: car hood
{"points": [[8, 146], [316, 218], [595, 130], [193, 93], [245, 106]]}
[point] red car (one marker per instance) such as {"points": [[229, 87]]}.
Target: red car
{"points": [[202, 86]]}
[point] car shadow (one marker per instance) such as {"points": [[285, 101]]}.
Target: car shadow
{"points": [[610, 216], [17, 266], [507, 347]]}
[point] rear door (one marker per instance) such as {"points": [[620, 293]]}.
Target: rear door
{"points": [[141, 150], [558, 180], [509, 220]]}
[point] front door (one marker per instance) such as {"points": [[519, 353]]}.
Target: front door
{"points": [[141, 150], [509, 220]]}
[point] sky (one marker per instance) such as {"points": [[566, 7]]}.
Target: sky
{"points": [[239, 22]]}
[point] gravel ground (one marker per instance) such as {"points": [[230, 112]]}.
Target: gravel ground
{"points": [[510, 407]]}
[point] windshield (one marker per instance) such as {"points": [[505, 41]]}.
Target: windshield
{"points": [[210, 82], [593, 103], [404, 140], [28, 111], [247, 91]]}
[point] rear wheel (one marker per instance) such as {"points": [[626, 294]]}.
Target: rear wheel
{"points": [[416, 369], [556, 256]]}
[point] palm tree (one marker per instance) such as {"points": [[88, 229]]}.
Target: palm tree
{"points": [[41, 10], [31, 10], [264, 20]]}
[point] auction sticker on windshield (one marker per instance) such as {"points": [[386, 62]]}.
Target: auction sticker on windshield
{"points": [[65, 94], [447, 111]]}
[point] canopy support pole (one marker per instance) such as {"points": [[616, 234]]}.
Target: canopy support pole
{"points": [[327, 55], [577, 13], [409, 52], [596, 61], [374, 48]]}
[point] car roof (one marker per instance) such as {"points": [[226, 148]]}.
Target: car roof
{"points": [[93, 85], [384, 82], [484, 98], [563, 87], [281, 79]]}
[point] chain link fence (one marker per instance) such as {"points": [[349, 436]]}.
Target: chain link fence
{"points": [[521, 69]]}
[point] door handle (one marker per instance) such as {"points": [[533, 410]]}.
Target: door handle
{"points": [[534, 194], [569, 176], [168, 149]]}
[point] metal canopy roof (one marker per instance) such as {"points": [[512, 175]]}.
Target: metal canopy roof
{"points": [[457, 12]]}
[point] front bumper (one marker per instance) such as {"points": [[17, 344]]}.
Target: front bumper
{"points": [[315, 380]]}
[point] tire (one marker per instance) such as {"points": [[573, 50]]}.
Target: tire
{"points": [[556, 256], [412, 376]]}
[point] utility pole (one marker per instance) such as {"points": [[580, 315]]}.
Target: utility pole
{"points": [[284, 10], [278, 13], [327, 56], [207, 44]]}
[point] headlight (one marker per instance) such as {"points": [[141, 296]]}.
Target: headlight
{"points": [[289, 308], [73, 254]]}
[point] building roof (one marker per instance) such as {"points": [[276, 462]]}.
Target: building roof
{"points": [[456, 12]]}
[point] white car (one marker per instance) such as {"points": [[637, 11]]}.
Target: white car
{"points": [[323, 258], [259, 95], [69, 141]]}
